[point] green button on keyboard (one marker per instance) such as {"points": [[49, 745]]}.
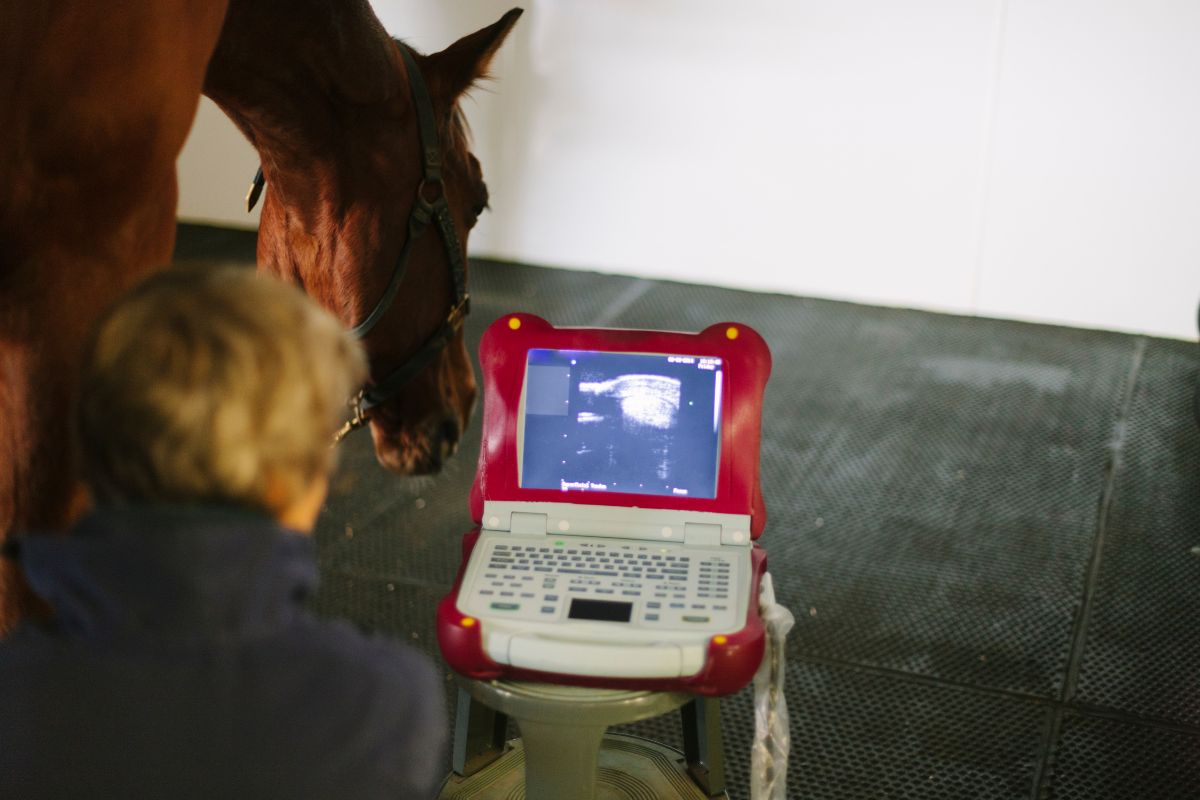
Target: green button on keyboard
{"points": [[506, 606]]}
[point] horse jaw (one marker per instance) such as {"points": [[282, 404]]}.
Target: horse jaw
{"points": [[412, 439]]}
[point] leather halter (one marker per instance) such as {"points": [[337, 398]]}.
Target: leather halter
{"points": [[425, 211]]}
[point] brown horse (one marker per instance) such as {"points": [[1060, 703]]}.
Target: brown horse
{"points": [[97, 100]]}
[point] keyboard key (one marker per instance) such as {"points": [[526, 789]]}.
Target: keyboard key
{"points": [[695, 618], [652, 618], [550, 598], [506, 606]]}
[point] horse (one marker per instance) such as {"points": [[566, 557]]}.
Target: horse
{"points": [[362, 147]]}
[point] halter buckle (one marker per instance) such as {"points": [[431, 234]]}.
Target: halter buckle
{"points": [[356, 421], [435, 184]]}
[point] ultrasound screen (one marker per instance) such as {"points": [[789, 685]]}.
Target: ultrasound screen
{"points": [[622, 422]]}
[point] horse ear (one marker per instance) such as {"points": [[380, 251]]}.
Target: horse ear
{"points": [[456, 68]]}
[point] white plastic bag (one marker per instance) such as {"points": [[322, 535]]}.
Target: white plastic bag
{"points": [[769, 754]]}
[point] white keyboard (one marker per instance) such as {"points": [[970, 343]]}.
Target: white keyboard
{"points": [[573, 580]]}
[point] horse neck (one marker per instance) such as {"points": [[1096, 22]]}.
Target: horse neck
{"points": [[319, 90]]}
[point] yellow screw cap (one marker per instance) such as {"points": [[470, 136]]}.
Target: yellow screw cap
{"points": [[731, 332], [468, 622], [720, 639], [514, 322]]}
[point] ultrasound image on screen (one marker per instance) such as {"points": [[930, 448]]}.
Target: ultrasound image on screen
{"points": [[622, 422]]}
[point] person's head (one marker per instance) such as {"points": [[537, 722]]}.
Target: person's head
{"points": [[215, 386]]}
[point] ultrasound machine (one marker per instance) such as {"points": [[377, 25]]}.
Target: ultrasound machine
{"points": [[618, 502]]}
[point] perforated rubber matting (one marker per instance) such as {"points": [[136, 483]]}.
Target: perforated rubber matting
{"points": [[989, 533]]}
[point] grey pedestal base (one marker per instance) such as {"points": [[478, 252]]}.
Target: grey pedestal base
{"points": [[564, 753], [630, 768]]}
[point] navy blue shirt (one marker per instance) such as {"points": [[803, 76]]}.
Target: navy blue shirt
{"points": [[182, 663]]}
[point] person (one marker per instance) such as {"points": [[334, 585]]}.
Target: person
{"points": [[181, 660]]}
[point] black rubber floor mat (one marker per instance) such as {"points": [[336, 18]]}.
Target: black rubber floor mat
{"points": [[869, 736], [1143, 645], [1104, 758]]}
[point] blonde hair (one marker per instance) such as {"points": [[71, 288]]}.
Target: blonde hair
{"points": [[213, 385]]}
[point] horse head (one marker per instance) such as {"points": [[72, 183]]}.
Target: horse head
{"points": [[365, 227]]}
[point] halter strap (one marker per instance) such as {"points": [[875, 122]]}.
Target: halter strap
{"points": [[424, 212]]}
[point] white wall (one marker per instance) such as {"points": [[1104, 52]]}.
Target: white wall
{"points": [[1035, 159]]}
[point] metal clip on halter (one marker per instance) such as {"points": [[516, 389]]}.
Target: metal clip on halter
{"points": [[355, 422]]}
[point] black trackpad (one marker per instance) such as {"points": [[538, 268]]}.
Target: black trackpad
{"points": [[603, 610]]}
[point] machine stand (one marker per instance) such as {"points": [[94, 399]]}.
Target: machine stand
{"points": [[479, 735], [564, 752], [702, 744]]}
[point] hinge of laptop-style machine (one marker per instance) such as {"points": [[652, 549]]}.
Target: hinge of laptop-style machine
{"points": [[662, 525], [525, 524], [700, 534]]}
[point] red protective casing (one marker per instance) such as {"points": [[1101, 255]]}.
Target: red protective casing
{"points": [[502, 354]]}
